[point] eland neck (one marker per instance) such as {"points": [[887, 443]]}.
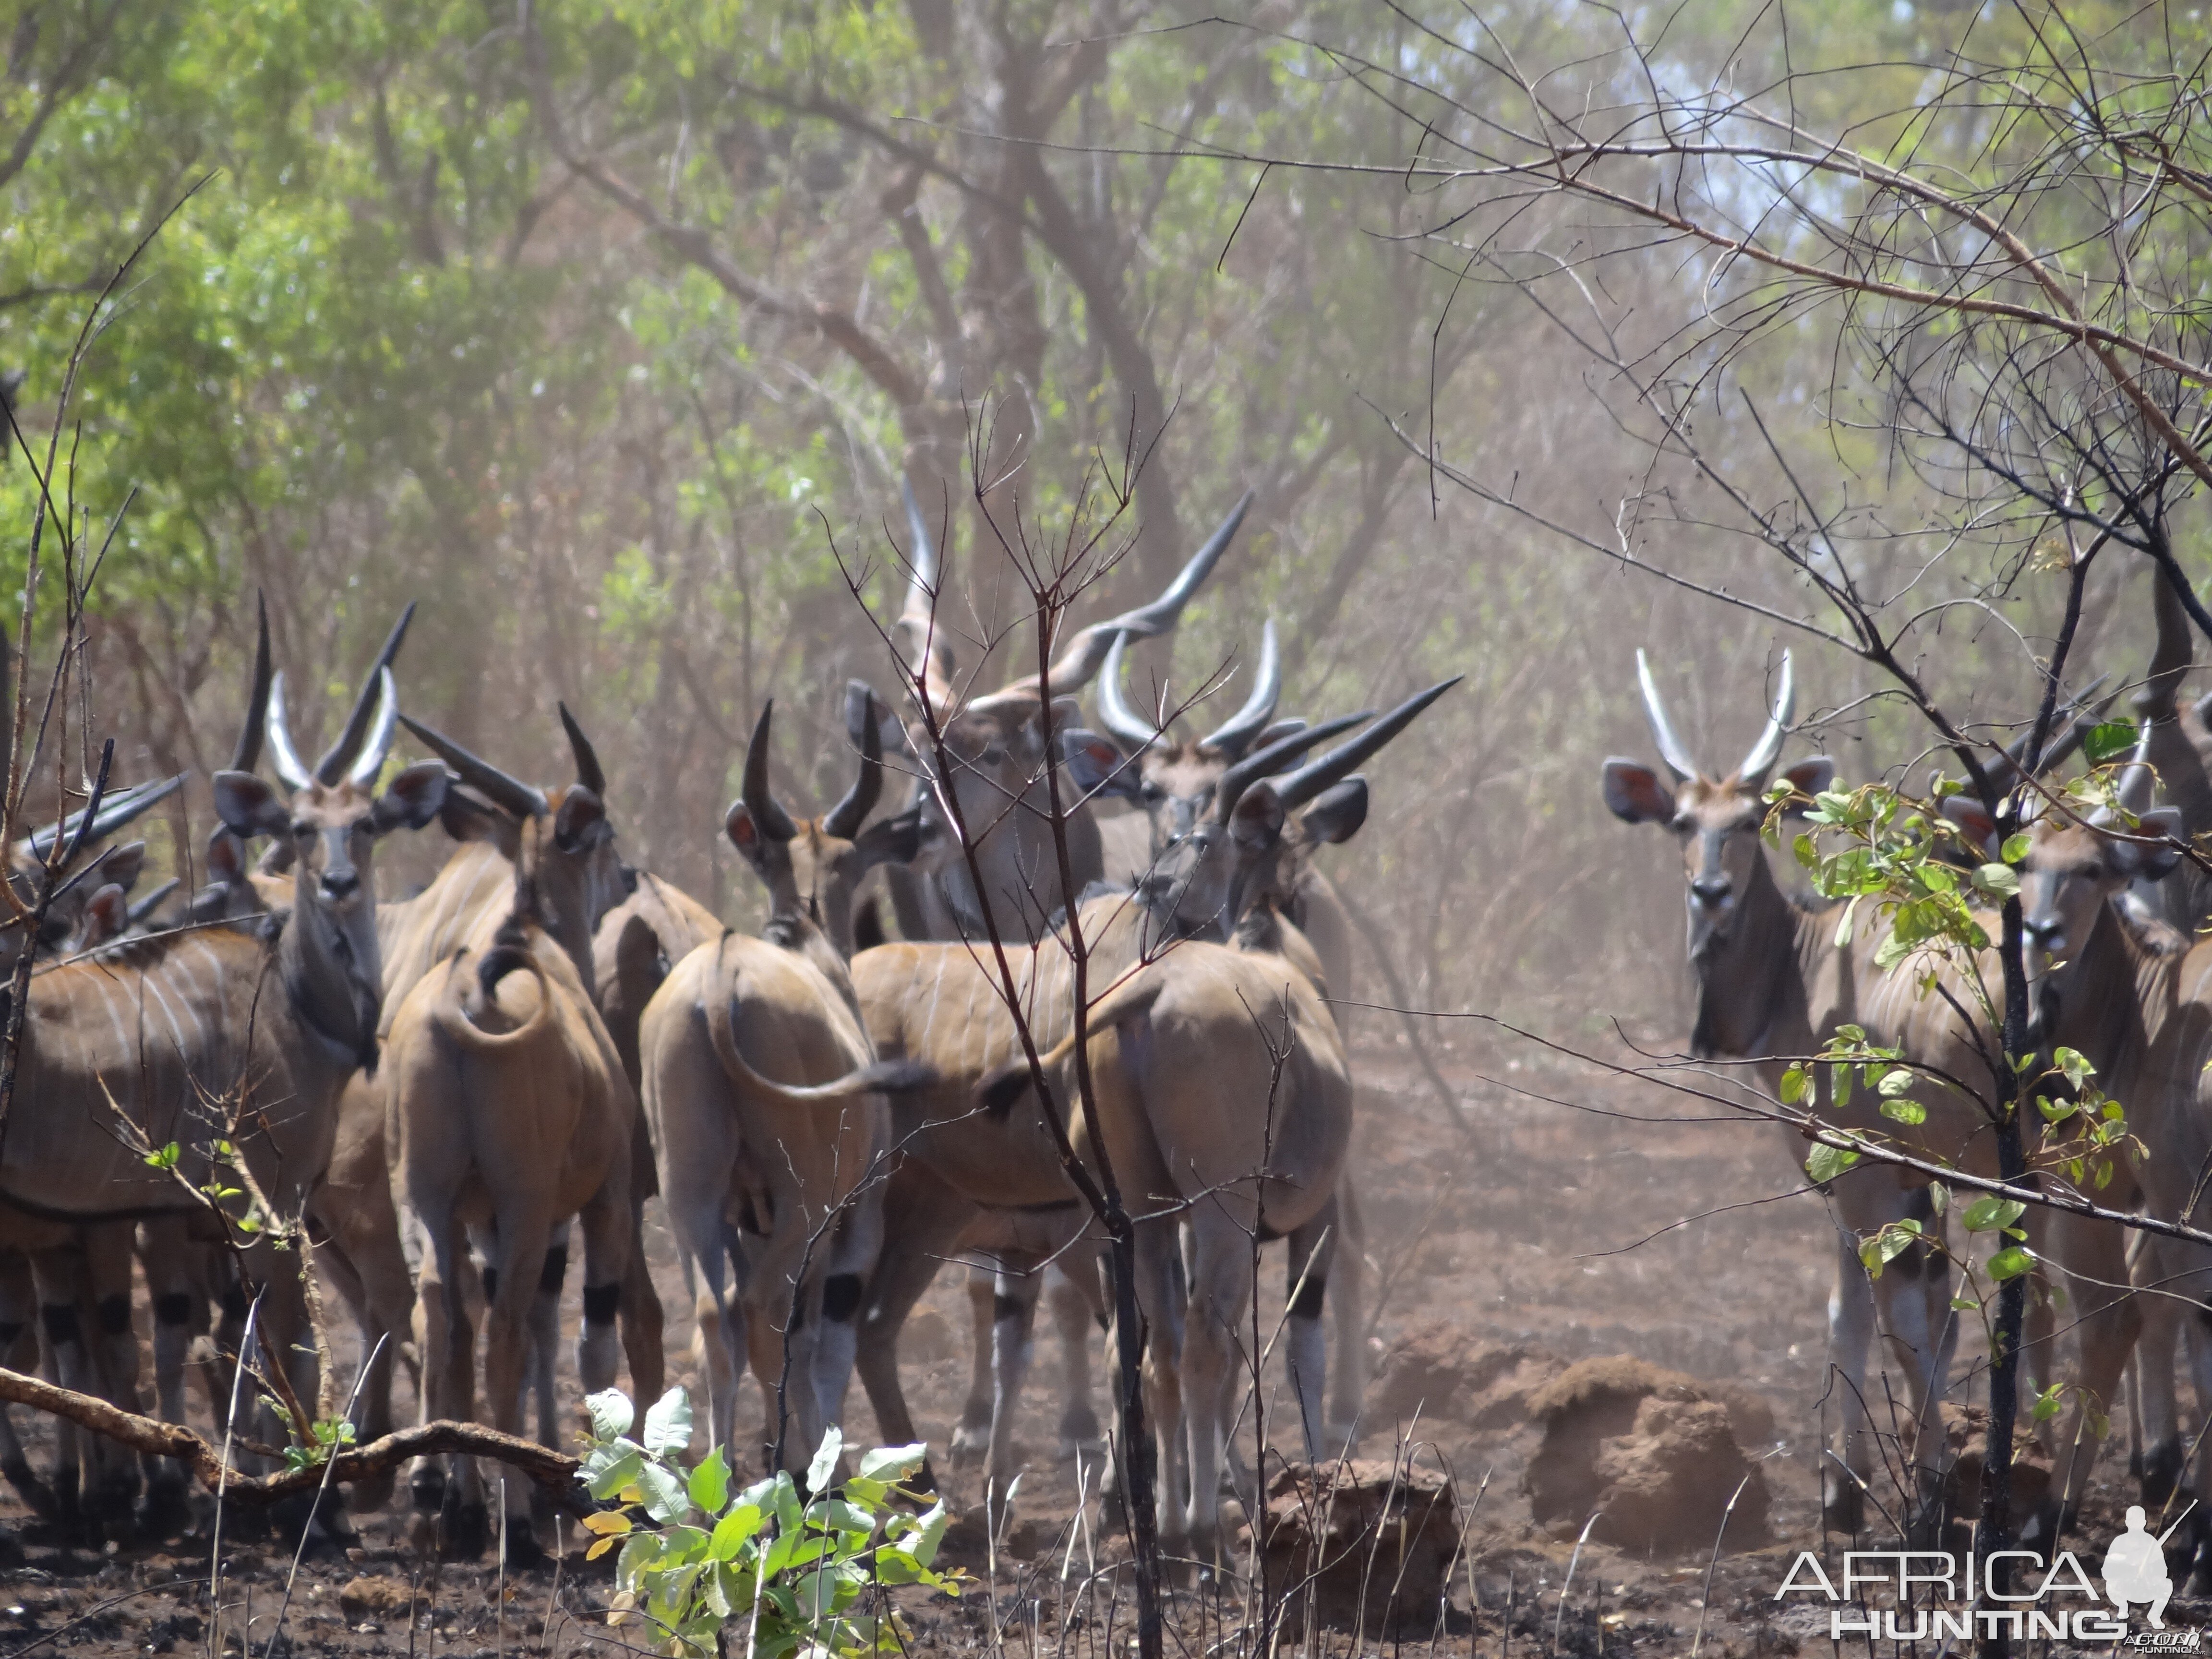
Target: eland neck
{"points": [[1750, 984], [332, 968]]}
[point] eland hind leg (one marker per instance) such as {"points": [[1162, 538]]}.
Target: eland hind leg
{"points": [[18, 1350], [1075, 1291], [856, 1245], [971, 1436]]}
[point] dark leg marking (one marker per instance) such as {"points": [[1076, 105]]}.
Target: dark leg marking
{"points": [[115, 1313], [173, 1308], [1306, 1304], [557, 1269], [600, 1302], [840, 1297], [60, 1320]]}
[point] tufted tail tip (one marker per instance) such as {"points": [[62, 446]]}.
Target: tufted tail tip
{"points": [[509, 954], [999, 1090], [900, 1077]]}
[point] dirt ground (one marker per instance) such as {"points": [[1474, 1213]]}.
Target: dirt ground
{"points": [[1548, 1231]]}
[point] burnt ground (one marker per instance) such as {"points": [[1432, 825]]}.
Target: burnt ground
{"points": [[1548, 1232]]}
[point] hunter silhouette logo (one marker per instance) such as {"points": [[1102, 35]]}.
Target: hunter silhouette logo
{"points": [[2134, 1569]]}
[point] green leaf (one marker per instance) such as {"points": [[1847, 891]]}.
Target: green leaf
{"points": [[1824, 1163], [611, 1413], [1964, 1304], [1896, 1082], [824, 1469], [638, 1551], [893, 1463], [1881, 1248], [927, 1535], [607, 1469], [1998, 880], [710, 1482], [2046, 1404], [164, 1159], [668, 1425], [1989, 1213], [666, 1500], [1905, 1111], [2010, 1263], [1794, 1083], [2016, 847], [734, 1531], [1843, 926], [2076, 1066], [2108, 740], [1939, 1197]]}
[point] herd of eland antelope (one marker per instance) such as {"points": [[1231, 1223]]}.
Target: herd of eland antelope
{"points": [[433, 1096]]}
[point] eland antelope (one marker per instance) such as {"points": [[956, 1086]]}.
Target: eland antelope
{"points": [[943, 1004], [1172, 786], [992, 760], [991, 764], [217, 1036], [507, 1111], [764, 1100], [354, 1209], [1225, 1106], [961, 1187], [1774, 985]]}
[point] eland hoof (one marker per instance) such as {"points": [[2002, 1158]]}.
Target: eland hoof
{"points": [[524, 1553], [165, 1512], [464, 1527], [1843, 1505]]}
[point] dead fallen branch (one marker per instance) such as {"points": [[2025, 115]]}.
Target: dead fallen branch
{"points": [[554, 1471]]}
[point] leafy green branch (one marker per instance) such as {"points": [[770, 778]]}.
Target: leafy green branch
{"points": [[695, 1556]]}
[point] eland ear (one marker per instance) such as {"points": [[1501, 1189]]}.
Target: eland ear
{"points": [[1336, 815], [1097, 767], [2156, 862], [580, 813], [414, 798], [1974, 821], [468, 816], [226, 857], [248, 806], [1256, 824], [124, 864], [745, 834], [1067, 715], [895, 840], [1811, 776], [107, 914], [1634, 793]]}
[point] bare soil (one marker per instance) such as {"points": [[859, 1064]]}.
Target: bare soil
{"points": [[1543, 1233]]}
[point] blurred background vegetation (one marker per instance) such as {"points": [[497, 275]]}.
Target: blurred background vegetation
{"points": [[603, 330]]}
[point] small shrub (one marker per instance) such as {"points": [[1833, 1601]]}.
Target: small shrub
{"points": [[699, 1556]]}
